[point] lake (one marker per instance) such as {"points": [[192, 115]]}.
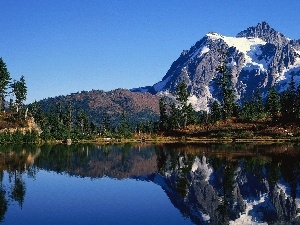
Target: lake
{"points": [[150, 184]]}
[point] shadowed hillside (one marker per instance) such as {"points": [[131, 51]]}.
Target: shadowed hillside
{"points": [[100, 105]]}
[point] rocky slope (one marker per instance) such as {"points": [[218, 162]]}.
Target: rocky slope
{"points": [[258, 57]]}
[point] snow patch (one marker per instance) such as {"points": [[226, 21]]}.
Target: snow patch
{"points": [[250, 217], [214, 35], [284, 77], [200, 103], [200, 51], [249, 46], [205, 217], [202, 167]]}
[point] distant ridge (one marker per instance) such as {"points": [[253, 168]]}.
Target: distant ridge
{"points": [[138, 107]]}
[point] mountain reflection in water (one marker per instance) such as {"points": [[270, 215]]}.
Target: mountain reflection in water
{"points": [[209, 184]]}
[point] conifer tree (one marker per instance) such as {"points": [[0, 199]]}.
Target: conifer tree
{"points": [[4, 81], [258, 105], [273, 103], [289, 102], [215, 112], [174, 119], [224, 80], [163, 119], [19, 89], [182, 95]]}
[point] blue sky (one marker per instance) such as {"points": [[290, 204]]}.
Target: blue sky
{"points": [[66, 46]]}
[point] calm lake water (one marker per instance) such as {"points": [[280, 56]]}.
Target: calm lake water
{"points": [[150, 184]]}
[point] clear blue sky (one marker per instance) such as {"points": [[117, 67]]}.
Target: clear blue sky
{"points": [[65, 46]]}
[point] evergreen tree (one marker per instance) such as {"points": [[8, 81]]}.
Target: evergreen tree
{"points": [[246, 111], [163, 119], [174, 119], [182, 97], [19, 89], [4, 81], [202, 117], [289, 102], [124, 129], [258, 105], [190, 113], [297, 112], [224, 80], [273, 105], [215, 112]]}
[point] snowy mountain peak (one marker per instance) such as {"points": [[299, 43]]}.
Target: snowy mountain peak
{"points": [[259, 57], [264, 31]]}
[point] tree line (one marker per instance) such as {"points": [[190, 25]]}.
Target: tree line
{"points": [[64, 120], [277, 107]]}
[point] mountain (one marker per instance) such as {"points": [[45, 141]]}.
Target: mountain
{"points": [[100, 104], [258, 57]]}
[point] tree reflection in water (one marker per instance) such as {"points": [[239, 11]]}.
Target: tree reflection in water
{"points": [[15, 160], [215, 184]]}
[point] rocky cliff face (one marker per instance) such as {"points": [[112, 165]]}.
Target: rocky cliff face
{"points": [[258, 57]]}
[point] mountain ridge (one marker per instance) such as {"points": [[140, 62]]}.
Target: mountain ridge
{"points": [[100, 105], [259, 57]]}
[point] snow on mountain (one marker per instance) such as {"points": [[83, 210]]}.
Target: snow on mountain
{"points": [[250, 216], [202, 167], [259, 57]]}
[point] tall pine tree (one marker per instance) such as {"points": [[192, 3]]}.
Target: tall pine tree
{"points": [[224, 80], [273, 105], [4, 81]]}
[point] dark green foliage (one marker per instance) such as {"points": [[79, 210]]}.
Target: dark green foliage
{"points": [[19, 90], [177, 115], [273, 105], [163, 119], [215, 112], [253, 110], [31, 136], [185, 111], [289, 102], [224, 80], [63, 121], [174, 119], [202, 117], [17, 137], [4, 81], [124, 129]]}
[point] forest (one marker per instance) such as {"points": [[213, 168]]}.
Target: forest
{"points": [[176, 115]]}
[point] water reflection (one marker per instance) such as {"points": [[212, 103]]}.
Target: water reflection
{"points": [[210, 184]]}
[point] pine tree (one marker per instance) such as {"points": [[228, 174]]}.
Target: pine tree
{"points": [[258, 105], [273, 105], [191, 117], [163, 119], [297, 112], [174, 119], [124, 128], [4, 81], [19, 89], [289, 102], [224, 80], [215, 112], [182, 95]]}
